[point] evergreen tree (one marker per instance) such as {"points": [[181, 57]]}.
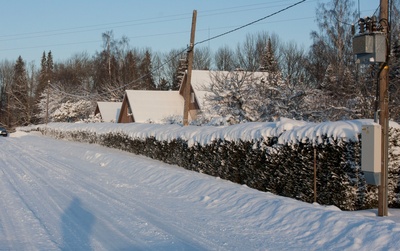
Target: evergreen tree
{"points": [[130, 71], [268, 62], [146, 74], [163, 85], [20, 100], [6, 81], [49, 66], [42, 77]]}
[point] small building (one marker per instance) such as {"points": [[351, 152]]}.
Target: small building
{"points": [[109, 111], [143, 106], [154, 106], [202, 81]]}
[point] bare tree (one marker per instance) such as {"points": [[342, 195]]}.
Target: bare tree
{"points": [[292, 64], [202, 58], [249, 54], [331, 59], [224, 59], [171, 65]]}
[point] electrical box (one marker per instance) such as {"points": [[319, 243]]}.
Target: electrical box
{"points": [[363, 44], [371, 153], [370, 47]]}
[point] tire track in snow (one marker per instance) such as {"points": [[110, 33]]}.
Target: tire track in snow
{"points": [[62, 192], [148, 217], [16, 216]]}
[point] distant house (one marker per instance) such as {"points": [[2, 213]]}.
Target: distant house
{"points": [[109, 111], [150, 106], [154, 106], [202, 80]]}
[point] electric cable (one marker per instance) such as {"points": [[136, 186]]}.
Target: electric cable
{"points": [[251, 23], [203, 41]]}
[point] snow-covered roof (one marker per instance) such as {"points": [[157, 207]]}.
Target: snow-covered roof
{"points": [[109, 111], [154, 106], [202, 80]]}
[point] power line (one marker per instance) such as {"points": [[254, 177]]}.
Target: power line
{"points": [[154, 35], [135, 22], [131, 37], [251, 23], [183, 51]]}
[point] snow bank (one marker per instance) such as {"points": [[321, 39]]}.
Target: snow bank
{"points": [[286, 130], [272, 156], [345, 130]]}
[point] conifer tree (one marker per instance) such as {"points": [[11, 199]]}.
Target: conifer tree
{"points": [[49, 66], [6, 80], [20, 100], [42, 77], [146, 72], [268, 62], [130, 70]]}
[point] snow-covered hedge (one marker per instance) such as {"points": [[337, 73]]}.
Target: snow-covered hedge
{"points": [[276, 157]]}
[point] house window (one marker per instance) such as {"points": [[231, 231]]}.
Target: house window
{"points": [[129, 110], [192, 97]]}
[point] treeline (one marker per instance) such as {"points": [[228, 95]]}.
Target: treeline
{"points": [[319, 83]]}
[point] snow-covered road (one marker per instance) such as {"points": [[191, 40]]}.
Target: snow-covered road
{"points": [[59, 195]]}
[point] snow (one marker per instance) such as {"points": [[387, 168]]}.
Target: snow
{"points": [[201, 80], [154, 106], [109, 110], [286, 130], [346, 130], [60, 195]]}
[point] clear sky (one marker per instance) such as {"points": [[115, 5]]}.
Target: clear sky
{"points": [[68, 27]]}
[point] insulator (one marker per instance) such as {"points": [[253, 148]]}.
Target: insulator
{"points": [[368, 23], [361, 25], [373, 23]]}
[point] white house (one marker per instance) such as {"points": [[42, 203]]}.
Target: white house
{"points": [[109, 111]]}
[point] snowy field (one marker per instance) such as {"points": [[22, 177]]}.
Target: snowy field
{"points": [[59, 195]]}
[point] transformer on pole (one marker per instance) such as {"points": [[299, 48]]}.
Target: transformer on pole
{"points": [[371, 46]]}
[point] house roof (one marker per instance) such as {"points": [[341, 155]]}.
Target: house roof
{"points": [[109, 111], [202, 80], [154, 105]]}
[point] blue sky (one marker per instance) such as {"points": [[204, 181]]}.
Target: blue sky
{"points": [[75, 26]]}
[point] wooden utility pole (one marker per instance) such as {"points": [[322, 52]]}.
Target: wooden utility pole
{"points": [[315, 174], [47, 102], [384, 115], [186, 90]]}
